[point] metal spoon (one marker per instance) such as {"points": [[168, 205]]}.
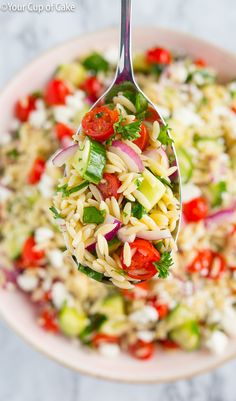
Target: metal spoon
{"points": [[125, 75]]}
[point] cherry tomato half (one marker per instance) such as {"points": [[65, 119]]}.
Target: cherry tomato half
{"points": [[142, 141], [195, 210], [158, 55], [142, 267], [161, 308], [169, 344], [56, 92], [142, 350], [30, 256], [93, 88], [152, 115], [36, 171], [208, 264], [63, 131], [101, 338], [98, 123], [47, 320], [110, 187], [24, 107], [140, 291], [199, 62]]}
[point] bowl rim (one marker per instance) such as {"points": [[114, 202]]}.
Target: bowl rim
{"points": [[17, 76]]}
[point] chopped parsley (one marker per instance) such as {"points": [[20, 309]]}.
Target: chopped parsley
{"points": [[137, 210], [99, 115], [129, 131], [163, 136], [123, 87], [67, 192], [92, 215], [164, 264], [95, 62], [13, 154], [55, 212]]}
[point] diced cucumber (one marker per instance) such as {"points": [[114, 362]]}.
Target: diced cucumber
{"points": [[150, 191], [114, 244], [74, 73], [178, 316], [15, 239], [72, 322], [112, 306], [185, 164], [90, 161], [114, 327], [187, 336], [140, 63], [216, 192]]}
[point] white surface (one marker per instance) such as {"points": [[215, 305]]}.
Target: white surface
{"points": [[24, 374]]}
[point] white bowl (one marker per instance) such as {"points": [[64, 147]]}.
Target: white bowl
{"points": [[17, 312]]}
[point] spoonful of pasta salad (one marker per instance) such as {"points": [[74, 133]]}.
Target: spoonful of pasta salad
{"points": [[118, 204]]}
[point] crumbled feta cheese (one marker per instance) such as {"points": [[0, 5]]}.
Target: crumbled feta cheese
{"points": [[215, 315], [228, 321], [63, 114], [146, 315], [217, 342], [43, 234], [59, 294], [27, 282], [187, 117], [15, 124], [145, 335], [5, 193], [38, 118], [178, 72], [46, 186], [111, 55], [75, 101], [189, 192], [5, 138], [109, 350], [55, 257]]}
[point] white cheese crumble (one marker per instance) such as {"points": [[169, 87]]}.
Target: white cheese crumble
{"points": [[5, 138], [5, 193], [59, 294], [146, 315], [38, 117], [189, 192], [146, 335], [43, 234], [217, 342], [111, 55], [27, 282], [56, 258], [46, 186], [187, 117], [109, 350]]}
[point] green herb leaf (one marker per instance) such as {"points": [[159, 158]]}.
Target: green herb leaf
{"points": [[217, 190], [55, 212], [67, 192], [129, 131], [13, 154], [159, 246], [137, 210], [124, 87], [96, 322], [141, 103], [163, 136], [92, 215], [95, 62], [164, 264]]}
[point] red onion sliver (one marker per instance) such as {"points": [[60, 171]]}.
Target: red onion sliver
{"points": [[109, 236], [60, 158], [130, 157], [220, 217], [154, 155]]}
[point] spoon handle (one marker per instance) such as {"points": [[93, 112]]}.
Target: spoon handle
{"points": [[124, 68]]}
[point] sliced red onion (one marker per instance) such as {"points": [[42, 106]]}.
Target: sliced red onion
{"points": [[10, 275], [66, 142], [220, 217], [154, 154], [154, 235], [60, 158], [109, 236], [130, 157]]}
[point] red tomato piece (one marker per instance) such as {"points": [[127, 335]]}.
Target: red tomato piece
{"points": [[152, 115], [47, 320], [63, 131], [161, 308], [98, 123], [233, 108], [56, 92], [142, 350], [30, 256], [93, 88], [142, 141], [142, 267], [139, 292], [101, 338], [24, 107], [36, 171], [169, 344], [110, 187], [208, 264], [199, 62], [196, 209], [158, 55]]}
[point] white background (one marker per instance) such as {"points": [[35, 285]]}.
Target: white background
{"points": [[24, 374]]}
